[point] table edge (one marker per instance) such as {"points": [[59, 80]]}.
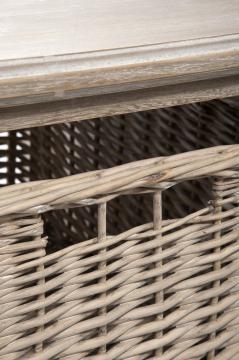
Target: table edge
{"points": [[36, 80]]}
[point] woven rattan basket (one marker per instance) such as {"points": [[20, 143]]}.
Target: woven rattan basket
{"points": [[167, 289], [133, 261], [67, 149]]}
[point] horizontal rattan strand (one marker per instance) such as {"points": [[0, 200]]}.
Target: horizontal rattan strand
{"points": [[45, 195]]}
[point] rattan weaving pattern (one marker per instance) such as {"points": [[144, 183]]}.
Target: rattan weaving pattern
{"points": [[65, 149], [167, 288], [96, 144]]}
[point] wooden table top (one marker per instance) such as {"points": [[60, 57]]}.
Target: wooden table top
{"points": [[33, 28], [66, 49]]}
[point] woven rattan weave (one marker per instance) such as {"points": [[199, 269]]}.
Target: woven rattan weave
{"points": [[67, 149], [167, 289]]}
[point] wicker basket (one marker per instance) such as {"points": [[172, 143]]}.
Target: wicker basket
{"points": [[166, 289], [61, 150]]}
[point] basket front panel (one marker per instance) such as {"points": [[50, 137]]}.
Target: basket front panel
{"points": [[166, 289]]}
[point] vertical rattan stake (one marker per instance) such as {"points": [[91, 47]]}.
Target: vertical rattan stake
{"points": [[102, 265], [157, 214], [41, 312], [217, 264]]}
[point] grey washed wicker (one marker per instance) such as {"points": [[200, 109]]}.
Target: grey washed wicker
{"points": [[167, 289], [67, 149]]}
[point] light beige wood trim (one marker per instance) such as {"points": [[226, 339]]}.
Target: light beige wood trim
{"points": [[112, 104], [68, 76]]}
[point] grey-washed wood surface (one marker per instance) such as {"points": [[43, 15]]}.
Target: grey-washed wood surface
{"points": [[64, 111], [55, 50], [39, 28]]}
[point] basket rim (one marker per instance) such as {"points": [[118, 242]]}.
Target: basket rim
{"points": [[150, 174]]}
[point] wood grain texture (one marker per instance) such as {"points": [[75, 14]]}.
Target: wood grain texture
{"points": [[39, 28], [111, 104], [66, 49]]}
